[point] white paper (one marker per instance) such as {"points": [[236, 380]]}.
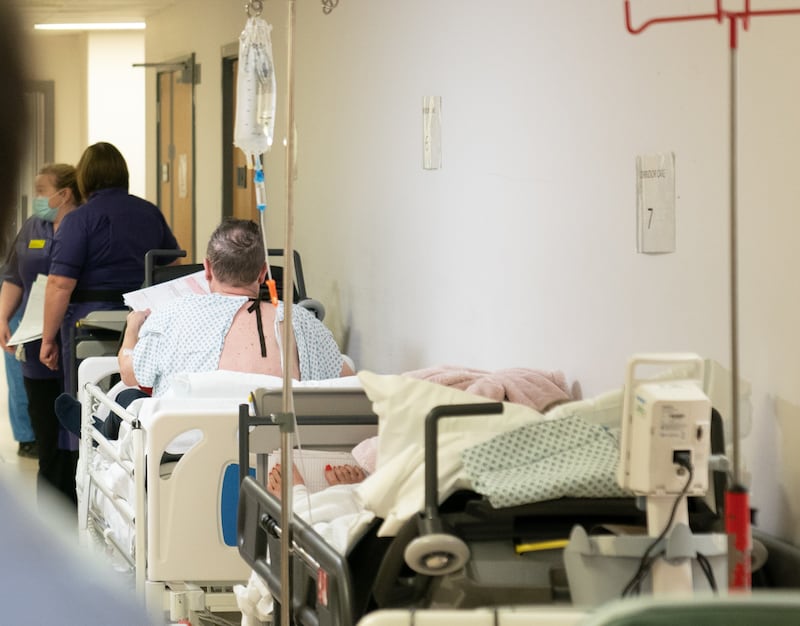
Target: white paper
{"points": [[655, 203], [311, 465], [162, 293], [30, 327], [32, 322]]}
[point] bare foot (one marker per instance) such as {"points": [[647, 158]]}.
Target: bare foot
{"points": [[274, 479], [343, 474]]}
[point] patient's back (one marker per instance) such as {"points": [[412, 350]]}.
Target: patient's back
{"points": [[241, 351]]}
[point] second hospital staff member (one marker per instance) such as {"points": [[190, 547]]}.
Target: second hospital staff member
{"points": [[98, 253], [57, 195]]}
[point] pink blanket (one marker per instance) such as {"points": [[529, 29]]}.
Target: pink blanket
{"points": [[537, 389]]}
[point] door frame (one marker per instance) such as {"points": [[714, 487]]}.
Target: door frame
{"points": [[39, 149], [230, 54], [190, 74]]}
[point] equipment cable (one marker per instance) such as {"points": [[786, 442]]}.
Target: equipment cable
{"points": [[646, 562]]}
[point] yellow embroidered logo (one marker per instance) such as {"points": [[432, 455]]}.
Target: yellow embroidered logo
{"points": [[36, 243]]}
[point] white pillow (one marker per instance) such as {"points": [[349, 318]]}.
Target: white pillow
{"points": [[226, 383], [396, 490], [604, 409], [402, 403], [219, 383]]}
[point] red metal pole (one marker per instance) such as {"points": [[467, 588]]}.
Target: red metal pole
{"points": [[737, 500]]}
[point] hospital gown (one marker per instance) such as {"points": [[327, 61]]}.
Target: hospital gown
{"points": [[188, 334]]}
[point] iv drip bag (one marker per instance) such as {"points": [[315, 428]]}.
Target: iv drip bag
{"points": [[255, 90]]}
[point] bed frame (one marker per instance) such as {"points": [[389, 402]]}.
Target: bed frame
{"points": [[184, 557], [180, 560], [331, 589]]}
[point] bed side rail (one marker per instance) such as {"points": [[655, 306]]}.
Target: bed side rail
{"points": [[133, 465], [99, 396], [327, 418], [330, 601]]}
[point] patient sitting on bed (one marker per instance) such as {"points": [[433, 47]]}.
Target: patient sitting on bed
{"points": [[230, 328]]}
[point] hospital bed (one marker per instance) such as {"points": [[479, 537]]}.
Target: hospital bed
{"points": [[161, 500], [511, 556], [172, 533]]}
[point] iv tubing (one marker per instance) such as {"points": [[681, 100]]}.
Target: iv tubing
{"points": [[261, 205]]}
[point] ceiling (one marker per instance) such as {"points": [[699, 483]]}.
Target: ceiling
{"points": [[58, 11]]}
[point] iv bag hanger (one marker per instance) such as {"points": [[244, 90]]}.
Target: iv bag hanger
{"points": [[329, 5], [719, 15], [737, 502], [254, 8]]}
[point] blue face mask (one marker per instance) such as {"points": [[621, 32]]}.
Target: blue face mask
{"points": [[41, 209]]}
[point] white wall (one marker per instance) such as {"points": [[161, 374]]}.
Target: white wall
{"points": [[769, 262], [520, 251], [202, 27], [115, 102], [62, 59], [98, 94]]}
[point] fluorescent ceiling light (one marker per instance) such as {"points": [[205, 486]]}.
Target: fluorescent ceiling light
{"points": [[92, 26]]}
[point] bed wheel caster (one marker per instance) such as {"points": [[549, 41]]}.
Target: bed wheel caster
{"points": [[435, 552]]}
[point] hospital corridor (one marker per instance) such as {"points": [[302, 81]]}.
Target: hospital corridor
{"points": [[371, 313]]}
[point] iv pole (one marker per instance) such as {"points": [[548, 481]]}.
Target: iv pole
{"points": [[287, 336], [287, 419], [737, 504]]}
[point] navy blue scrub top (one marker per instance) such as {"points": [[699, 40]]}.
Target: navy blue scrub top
{"points": [[102, 243], [29, 257]]}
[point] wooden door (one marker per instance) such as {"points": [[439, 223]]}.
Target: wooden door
{"points": [[243, 190], [176, 154]]}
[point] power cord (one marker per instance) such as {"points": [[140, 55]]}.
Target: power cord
{"points": [[646, 562], [207, 617], [705, 565]]}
